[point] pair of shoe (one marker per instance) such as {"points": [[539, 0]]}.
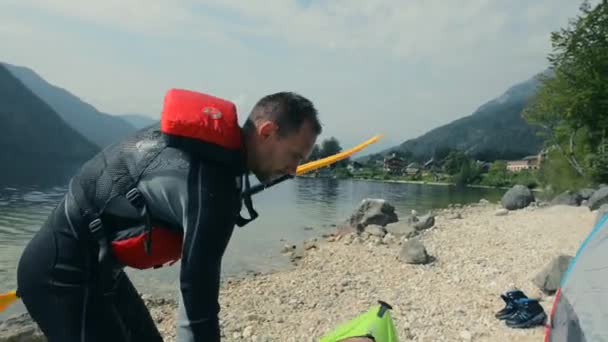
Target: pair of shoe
{"points": [[521, 311]]}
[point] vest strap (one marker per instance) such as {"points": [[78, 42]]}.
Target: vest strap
{"points": [[137, 200], [246, 198], [98, 233]]}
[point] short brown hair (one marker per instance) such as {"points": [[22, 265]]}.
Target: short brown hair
{"points": [[287, 109]]}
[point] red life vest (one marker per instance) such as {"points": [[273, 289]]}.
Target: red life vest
{"points": [[200, 124]]}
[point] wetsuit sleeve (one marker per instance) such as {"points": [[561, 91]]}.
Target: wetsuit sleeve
{"points": [[209, 221]]}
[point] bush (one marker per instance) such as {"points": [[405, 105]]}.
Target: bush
{"points": [[557, 174]]}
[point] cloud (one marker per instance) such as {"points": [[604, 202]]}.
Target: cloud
{"points": [[396, 67]]}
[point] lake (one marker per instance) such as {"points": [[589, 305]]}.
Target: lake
{"points": [[290, 212]]}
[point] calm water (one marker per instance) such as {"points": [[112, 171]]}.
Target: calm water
{"points": [[289, 213]]}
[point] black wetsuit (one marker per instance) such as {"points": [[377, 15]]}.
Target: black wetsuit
{"points": [[63, 287]]}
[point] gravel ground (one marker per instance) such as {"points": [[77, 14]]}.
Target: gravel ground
{"points": [[476, 256]]}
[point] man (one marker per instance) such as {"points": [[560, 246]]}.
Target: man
{"points": [[158, 196]]}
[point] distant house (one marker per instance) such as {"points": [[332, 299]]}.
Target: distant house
{"points": [[412, 168], [393, 164], [532, 162]]}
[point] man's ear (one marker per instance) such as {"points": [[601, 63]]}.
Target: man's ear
{"points": [[266, 129]]}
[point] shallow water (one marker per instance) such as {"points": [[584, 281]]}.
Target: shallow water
{"points": [[289, 213]]}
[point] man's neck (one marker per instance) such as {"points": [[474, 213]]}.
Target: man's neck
{"points": [[247, 139]]}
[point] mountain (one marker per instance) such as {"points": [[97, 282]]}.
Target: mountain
{"points": [[496, 130], [100, 128], [36, 142], [139, 120]]}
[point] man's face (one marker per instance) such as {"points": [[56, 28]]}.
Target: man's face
{"points": [[278, 155]]}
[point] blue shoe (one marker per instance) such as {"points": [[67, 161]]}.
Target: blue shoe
{"points": [[510, 307], [529, 313]]}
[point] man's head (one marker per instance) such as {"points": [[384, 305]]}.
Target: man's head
{"points": [[280, 132]]}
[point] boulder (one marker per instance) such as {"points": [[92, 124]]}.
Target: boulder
{"points": [[373, 211], [375, 230], [501, 212], [548, 280], [413, 252], [598, 198], [388, 239], [518, 197], [20, 328], [586, 193], [568, 198], [400, 229], [425, 222]]}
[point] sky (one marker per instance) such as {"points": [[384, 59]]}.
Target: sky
{"points": [[392, 67]]}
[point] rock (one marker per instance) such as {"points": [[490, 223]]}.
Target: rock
{"points": [[599, 197], [466, 335], [413, 252], [412, 219], [296, 254], [375, 230], [601, 211], [388, 239], [484, 201], [425, 222], [310, 244], [518, 197], [548, 280], [568, 198], [543, 204], [373, 211], [288, 248], [247, 332], [501, 212], [20, 328], [586, 193], [400, 229], [454, 216], [344, 229]]}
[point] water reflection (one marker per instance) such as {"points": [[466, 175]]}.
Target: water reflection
{"points": [[289, 212], [317, 197]]}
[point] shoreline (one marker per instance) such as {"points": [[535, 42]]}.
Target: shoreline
{"points": [[403, 181], [477, 255]]}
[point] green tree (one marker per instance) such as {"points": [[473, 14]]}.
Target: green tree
{"points": [[332, 146], [572, 104], [442, 152], [315, 153], [455, 161], [469, 173], [497, 175]]}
